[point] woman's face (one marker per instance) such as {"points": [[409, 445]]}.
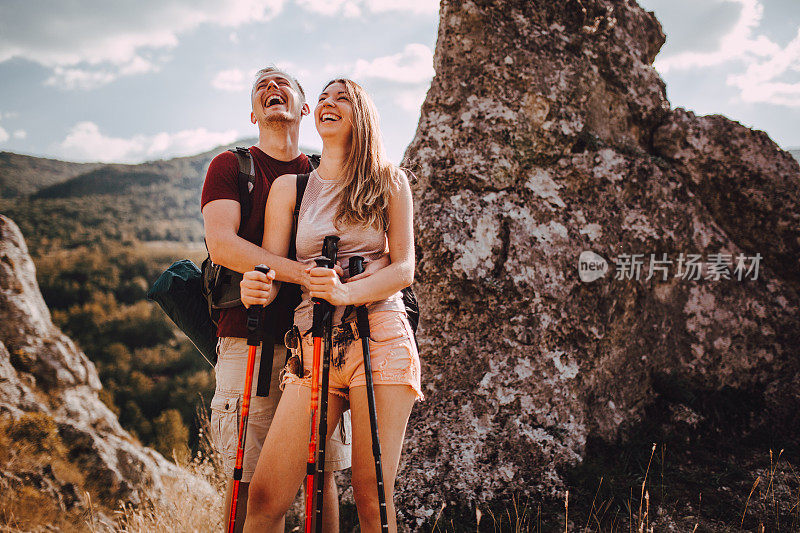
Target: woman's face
{"points": [[333, 115]]}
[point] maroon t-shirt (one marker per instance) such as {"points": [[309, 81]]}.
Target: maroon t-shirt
{"points": [[222, 183]]}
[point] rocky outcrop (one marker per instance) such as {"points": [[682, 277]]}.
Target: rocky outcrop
{"points": [[548, 136], [746, 182], [42, 371]]}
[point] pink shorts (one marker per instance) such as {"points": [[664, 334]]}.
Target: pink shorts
{"points": [[393, 353]]}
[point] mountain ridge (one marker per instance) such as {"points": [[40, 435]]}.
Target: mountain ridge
{"points": [[28, 175], [153, 201]]}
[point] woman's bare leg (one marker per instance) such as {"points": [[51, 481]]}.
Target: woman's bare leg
{"points": [[393, 405], [330, 505], [282, 464]]}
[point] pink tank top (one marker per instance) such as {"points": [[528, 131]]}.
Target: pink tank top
{"points": [[315, 222]]}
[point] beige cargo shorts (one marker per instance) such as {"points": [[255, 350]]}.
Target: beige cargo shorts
{"points": [[226, 410]]}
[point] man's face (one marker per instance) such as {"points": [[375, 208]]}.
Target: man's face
{"points": [[276, 100]]}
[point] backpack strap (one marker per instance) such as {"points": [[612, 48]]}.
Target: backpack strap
{"points": [[246, 181], [301, 182]]}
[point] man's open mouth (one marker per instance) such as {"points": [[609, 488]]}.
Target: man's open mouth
{"points": [[328, 117], [274, 100]]}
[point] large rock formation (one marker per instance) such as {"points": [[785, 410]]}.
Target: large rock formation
{"points": [[42, 371], [546, 132]]}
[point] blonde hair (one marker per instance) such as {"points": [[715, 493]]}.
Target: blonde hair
{"points": [[369, 177]]}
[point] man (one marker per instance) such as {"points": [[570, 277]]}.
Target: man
{"points": [[278, 105]]}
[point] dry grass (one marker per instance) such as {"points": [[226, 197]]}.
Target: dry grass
{"points": [[770, 501], [185, 509], [26, 508]]}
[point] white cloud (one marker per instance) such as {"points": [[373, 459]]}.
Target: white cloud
{"points": [[85, 142], [413, 65], [77, 78], [4, 136], [738, 44], [759, 82], [92, 78], [348, 8], [20, 134], [355, 8], [96, 41], [415, 6], [233, 80], [755, 62]]}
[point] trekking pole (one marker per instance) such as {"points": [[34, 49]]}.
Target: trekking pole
{"points": [[322, 312], [312, 441], [253, 341], [356, 267], [330, 249]]}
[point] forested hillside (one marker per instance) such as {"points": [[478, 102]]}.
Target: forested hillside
{"points": [[99, 235]]}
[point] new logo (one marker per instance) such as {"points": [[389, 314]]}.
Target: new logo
{"points": [[591, 266]]}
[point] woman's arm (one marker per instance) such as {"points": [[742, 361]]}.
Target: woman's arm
{"points": [[387, 281], [257, 288]]}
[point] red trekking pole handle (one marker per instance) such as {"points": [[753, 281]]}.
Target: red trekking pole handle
{"points": [[253, 340]]}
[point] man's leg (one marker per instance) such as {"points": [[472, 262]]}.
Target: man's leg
{"points": [[241, 508], [230, 374]]}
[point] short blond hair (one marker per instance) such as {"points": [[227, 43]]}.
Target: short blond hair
{"points": [[272, 69]]}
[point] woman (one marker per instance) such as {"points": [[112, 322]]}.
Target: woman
{"points": [[359, 196]]}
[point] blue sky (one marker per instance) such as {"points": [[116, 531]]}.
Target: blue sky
{"points": [[739, 58], [133, 81]]}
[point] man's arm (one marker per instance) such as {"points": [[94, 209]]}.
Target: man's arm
{"points": [[221, 219]]}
